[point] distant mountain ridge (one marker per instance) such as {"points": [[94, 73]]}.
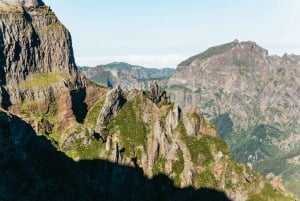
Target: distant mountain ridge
{"points": [[253, 99], [126, 75], [65, 138]]}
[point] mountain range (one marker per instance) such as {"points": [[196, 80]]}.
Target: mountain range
{"points": [[253, 100], [127, 76], [64, 137]]}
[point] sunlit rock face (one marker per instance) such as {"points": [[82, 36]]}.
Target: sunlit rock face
{"points": [[24, 3]]}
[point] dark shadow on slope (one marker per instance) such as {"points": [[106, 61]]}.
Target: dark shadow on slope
{"points": [[79, 107], [5, 98], [115, 182], [32, 169], [2, 60]]}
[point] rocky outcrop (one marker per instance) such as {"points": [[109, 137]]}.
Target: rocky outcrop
{"points": [[150, 143], [156, 93], [34, 44], [195, 123], [115, 99], [168, 140]]}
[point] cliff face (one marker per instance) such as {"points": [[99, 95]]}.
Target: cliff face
{"points": [[33, 44], [128, 129], [74, 141], [251, 97]]}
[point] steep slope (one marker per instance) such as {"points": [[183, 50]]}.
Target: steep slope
{"points": [[127, 76], [158, 151], [34, 45], [130, 130], [32, 169], [251, 97], [38, 75]]}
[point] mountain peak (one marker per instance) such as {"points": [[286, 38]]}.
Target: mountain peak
{"points": [[234, 48], [211, 52], [23, 3]]}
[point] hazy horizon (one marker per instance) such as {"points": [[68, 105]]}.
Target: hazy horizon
{"points": [[163, 33]]}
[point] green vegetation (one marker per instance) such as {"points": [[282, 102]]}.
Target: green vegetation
{"points": [[93, 113], [90, 151], [45, 10], [10, 9], [128, 123], [199, 147], [209, 52], [268, 193], [209, 104], [224, 125], [158, 166], [198, 90], [180, 88], [206, 179], [41, 80], [178, 165], [263, 131], [38, 110], [280, 165], [81, 144], [242, 66], [240, 63], [258, 138]]}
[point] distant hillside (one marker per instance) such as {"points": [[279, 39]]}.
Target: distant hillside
{"points": [[126, 75]]}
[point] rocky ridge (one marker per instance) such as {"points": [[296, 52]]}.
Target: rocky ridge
{"points": [[252, 98], [127, 76], [77, 143], [164, 139]]}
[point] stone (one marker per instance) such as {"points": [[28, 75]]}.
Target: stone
{"points": [[50, 55], [24, 3]]}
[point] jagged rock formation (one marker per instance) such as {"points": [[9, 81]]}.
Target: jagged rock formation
{"points": [[32, 169], [114, 101], [251, 97], [147, 148], [156, 93], [164, 139], [127, 76], [33, 45]]}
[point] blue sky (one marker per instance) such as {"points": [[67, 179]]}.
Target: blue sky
{"points": [[161, 33]]}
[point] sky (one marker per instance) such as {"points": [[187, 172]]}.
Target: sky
{"points": [[162, 33]]}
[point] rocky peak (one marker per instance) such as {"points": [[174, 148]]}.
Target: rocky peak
{"points": [[250, 46], [33, 44], [23, 3], [232, 50], [247, 94]]}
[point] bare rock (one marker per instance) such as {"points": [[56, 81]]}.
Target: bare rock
{"points": [[156, 93], [172, 119], [24, 3], [34, 43], [113, 103]]}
